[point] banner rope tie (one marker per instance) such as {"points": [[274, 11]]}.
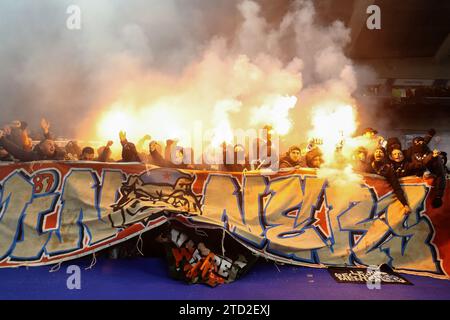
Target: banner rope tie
{"points": [[223, 242], [277, 267], [93, 262], [140, 245], [56, 267]]}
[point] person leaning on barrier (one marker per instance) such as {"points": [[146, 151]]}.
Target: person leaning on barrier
{"points": [[87, 154], [404, 167], [129, 151], [293, 158], [314, 158], [45, 150], [417, 153], [380, 166]]}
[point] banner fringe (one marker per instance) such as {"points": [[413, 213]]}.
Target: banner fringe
{"points": [[93, 262]]}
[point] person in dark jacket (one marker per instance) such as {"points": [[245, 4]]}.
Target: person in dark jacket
{"points": [[314, 158], [129, 151], [404, 167], [393, 143], [293, 158], [87, 154], [417, 153], [379, 165], [45, 150]]}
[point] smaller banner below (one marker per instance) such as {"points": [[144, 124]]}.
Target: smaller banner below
{"points": [[372, 277]]}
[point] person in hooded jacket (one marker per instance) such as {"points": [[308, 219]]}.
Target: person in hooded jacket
{"points": [[417, 153], [379, 165], [314, 158], [402, 166], [293, 158], [129, 151]]}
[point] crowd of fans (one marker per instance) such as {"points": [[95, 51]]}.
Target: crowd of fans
{"points": [[388, 159]]}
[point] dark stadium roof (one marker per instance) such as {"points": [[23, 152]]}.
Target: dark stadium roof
{"points": [[409, 28]]}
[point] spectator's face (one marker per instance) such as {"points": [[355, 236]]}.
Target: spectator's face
{"points": [[48, 147], [87, 156], [316, 162], [294, 155], [378, 155], [397, 155]]}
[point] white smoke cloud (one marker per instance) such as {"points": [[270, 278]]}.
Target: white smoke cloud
{"points": [[183, 56]]}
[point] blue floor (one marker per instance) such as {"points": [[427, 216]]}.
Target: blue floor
{"points": [[147, 278]]}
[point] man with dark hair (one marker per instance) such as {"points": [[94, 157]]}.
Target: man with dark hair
{"points": [[88, 154], [293, 158], [378, 165]]}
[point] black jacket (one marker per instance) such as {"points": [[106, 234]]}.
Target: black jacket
{"points": [[286, 162], [28, 156], [385, 170], [129, 152], [410, 168]]}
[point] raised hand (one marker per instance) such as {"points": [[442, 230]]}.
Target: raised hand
{"points": [[436, 153], [316, 141], [122, 135], [45, 125]]}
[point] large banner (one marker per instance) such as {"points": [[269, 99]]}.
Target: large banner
{"points": [[52, 212]]}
